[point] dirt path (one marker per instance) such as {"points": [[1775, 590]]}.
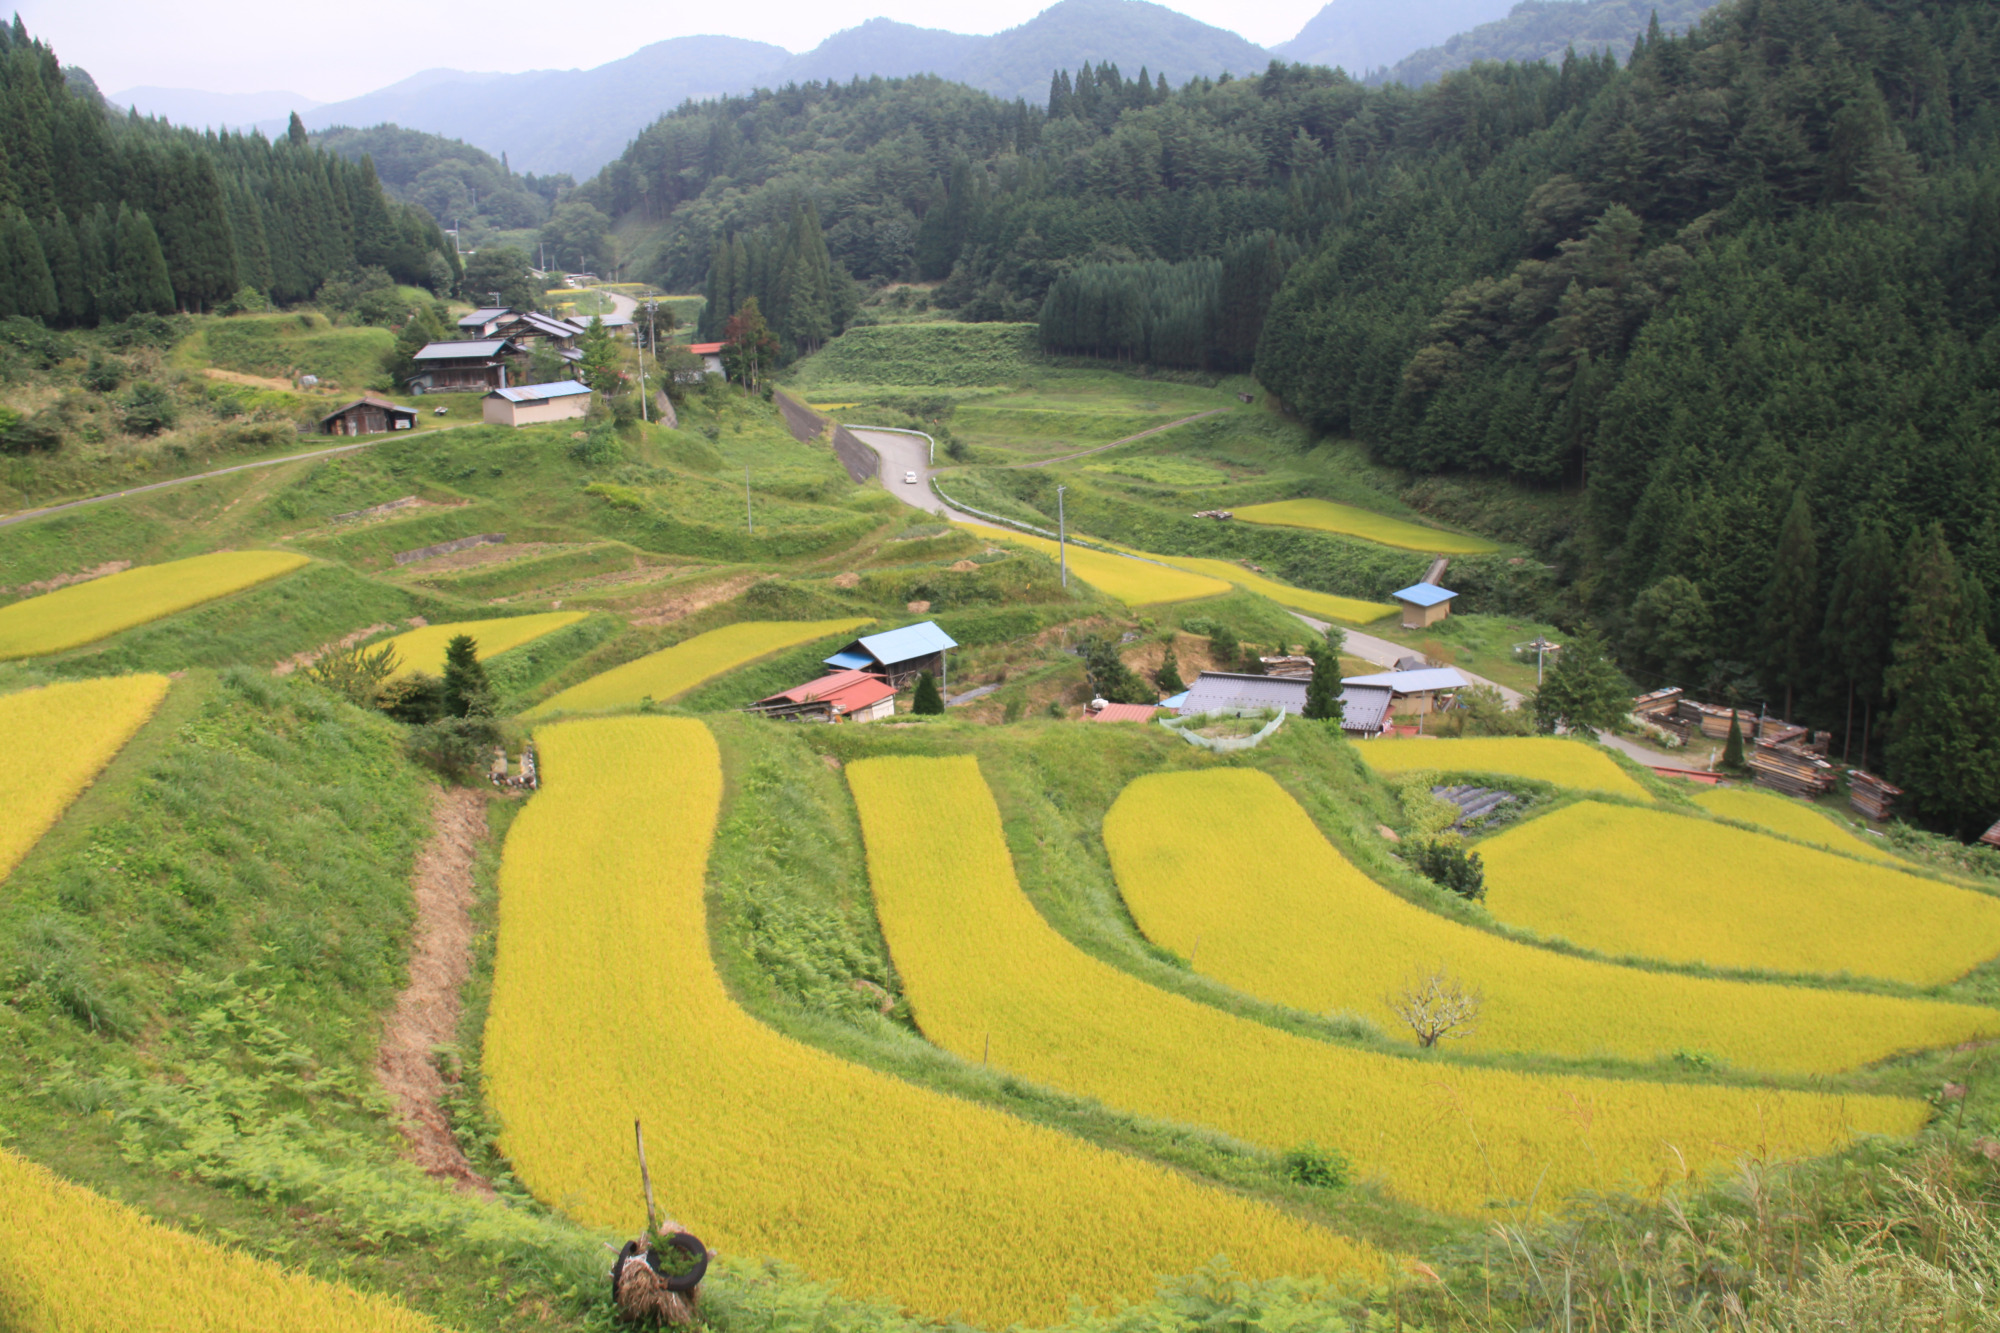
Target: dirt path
{"points": [[426, 1013]]}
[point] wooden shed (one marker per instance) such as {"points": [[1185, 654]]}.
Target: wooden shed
{"points": [[1424, 604], [368, 415]]}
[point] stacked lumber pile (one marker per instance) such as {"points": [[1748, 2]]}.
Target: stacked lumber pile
{"points": [[1783, 733], [1791, 769], [1657, 704], [1288, 668], [1992, 836], [1870, 795], [1713, 721]]}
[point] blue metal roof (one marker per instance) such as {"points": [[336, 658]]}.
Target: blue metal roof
{"points": [[529, 393], [900, 645], [1176, 701], [850, 661], [1424, 594]]}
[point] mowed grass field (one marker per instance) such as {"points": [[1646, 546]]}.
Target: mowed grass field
{"points": [[1133, 582], [423, 649], [1794, 819], [606, 1005], [1302, 926], [57, 739], [86, 612], [673, 671], [1649, 884], [989, 979], [72, 1261], [1351, 521], [1539, 758]]}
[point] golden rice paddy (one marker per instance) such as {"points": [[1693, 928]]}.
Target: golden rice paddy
{"points": [[1349, 521], [606, 1006], [1794, 819], [1649, 884], [988, 978], [57, 739], [1550, 759], [72, 1261], [86, 612], [1133, 582], [1301, 926], [674, 671], [423, 649]]}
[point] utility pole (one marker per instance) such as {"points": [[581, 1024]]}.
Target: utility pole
{"points": [[642, 389], [1062, 536]]}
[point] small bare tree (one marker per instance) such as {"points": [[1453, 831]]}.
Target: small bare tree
{"points": [[1437, 1006]]}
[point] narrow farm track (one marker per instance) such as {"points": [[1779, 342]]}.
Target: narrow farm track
{"points": [[1085, 453], [427, 1012]]}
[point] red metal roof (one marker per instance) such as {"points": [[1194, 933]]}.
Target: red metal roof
{"points": [[1125, 713], [845, 690], [706, 349]]}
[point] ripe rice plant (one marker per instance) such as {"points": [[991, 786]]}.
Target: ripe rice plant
{"points": [[1649, 884], [1301, 926], [1352, 610], [423, 649], [1350, 521], [86, 612], [672, 671], [1794, 819], [606, 1005], [1542, 758], [57, 738], [72, 1261], [1133, 582], [989, 978]]}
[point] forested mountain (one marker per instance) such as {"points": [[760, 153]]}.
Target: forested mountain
{"points": [[879, 46], [196, 110], [1745, 295], [102, 216], [1017, 62], [1543, 30], [450, 180], [1360, 36]]}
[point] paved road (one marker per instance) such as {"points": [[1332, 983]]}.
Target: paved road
{"points": [[1649, 757], [1383, 653], [907, 453]]}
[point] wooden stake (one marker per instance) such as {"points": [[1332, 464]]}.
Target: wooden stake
{"points": [[989, 1049], [645, 1177]]}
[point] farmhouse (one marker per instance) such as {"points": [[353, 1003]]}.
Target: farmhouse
{"points": [[711, 358], [368, 415], [462, 367], [898, 655], [481, 323], [1233, 691], [1424, 604], [528, 404], [1425, 691], [535, 327], [1104, 712], [852, 696]]}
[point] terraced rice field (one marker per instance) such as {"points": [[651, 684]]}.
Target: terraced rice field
{"points": [[674, 671], [1539, 758], [606, 1005], [1648, 884], [86, 612], [1349, 521], [1302, 926], [72, 1261], [1133, 582], [989, 978], [423, 649], [57, 739], [1794, 819], [1351, 610]]}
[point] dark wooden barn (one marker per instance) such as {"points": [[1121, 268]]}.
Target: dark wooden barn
{"points": [[368, 415]]}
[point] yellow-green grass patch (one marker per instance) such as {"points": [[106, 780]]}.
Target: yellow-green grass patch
{"points": [[1302, 926], [1644, 883], [423, 649], [1352, 610], [607, 1005], [86, 612], [989, 979], [1350, 521], [57, 739], [1551, 759], [1794, 819], [1133, 582], [674, 671]]}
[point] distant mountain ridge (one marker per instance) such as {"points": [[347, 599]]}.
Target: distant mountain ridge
{"points": [[199, 110], [575, 121], [1361, 36], [1543, 30]]}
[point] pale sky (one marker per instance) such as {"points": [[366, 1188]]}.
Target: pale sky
{"points": [[329, 52]]}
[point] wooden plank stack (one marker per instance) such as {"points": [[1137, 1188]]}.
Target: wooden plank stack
{"points": [[1790, 768], [1870, 795], [1294, 667], [1658, 702]]}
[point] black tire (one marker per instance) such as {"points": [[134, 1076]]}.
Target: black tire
{"points": [[693, 1248], [618, 1266]]}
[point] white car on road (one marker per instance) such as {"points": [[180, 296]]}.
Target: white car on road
{"points": [[909, 478]]}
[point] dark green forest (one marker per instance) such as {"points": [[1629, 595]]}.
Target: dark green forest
{"points": [[103, 216]]}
